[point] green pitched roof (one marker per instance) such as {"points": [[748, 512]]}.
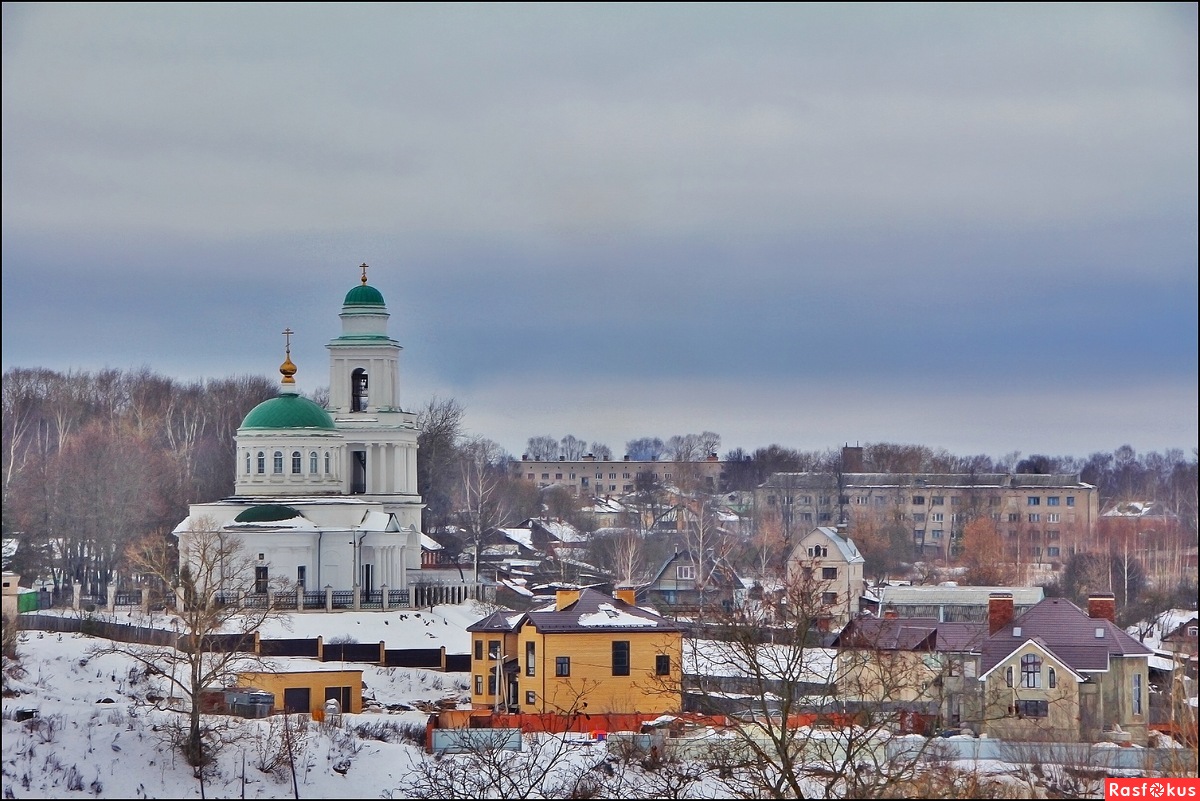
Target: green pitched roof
{"points": [[288, 411], [267, 513], [364, 295]]}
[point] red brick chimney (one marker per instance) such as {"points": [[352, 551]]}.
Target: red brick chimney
{"points": [[890, 613], [1000, 611], [1103, 605], [852, 458]]}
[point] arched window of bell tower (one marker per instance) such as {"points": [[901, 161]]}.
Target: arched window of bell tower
{"points": [[358, 390]]}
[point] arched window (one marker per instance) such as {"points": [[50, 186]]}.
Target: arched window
{"points": [[262, 463], [1051, 679], [358, 390], [312, 462], [295, 461], [1008, 675], [278, 462], [327, 471], [1031, 671], [247, 462]]}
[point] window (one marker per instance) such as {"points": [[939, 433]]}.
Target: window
{"points": [[993, 500], [1070, 500], [327, 471], [1034, 517], [818, 550], [1053, 550], [918, 500], [1137, 693], [829, 598], [806, 517], [805, 499], [1192, 631], [1051, 678], [1052, 517], [612, 476], [530, 697], [955, 500], [479, 650], [620, 657], [530, 659], [937, 533], [919, 534], [1052, 500], [247, 462], [278, 463], [599, 475], [558, 476], [492, 683], [624, 475], [1014, 517], [685, 572], [260, 579], [829, 573], [1033, 500], [825, 517], [662, 665], [312, 463], [937, 517], [1053, 534], [1008, 676], [546, 476], [1032, 709], [493, 649], [1031, 671], [295, 461], [562, 666], [937, 500], [262, 462], [918, 517], [825, 499], [478, 684]]}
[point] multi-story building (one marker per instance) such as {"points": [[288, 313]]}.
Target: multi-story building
{"points": [[826, 565], [587, 653], [592, 477], [1044, 519]]}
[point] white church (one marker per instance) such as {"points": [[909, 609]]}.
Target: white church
{"points": [[326, 500]]}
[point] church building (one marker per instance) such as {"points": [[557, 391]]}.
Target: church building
{"points": [[327, 498]]}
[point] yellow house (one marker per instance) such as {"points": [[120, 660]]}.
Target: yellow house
{"points": [[308, 690], [587, 653]]}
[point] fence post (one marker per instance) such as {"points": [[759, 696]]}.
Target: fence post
{"points": [[112, 597], [144, 599], [328, 597], [299, 597], [77, 597], [384, 588], [357, 598]]}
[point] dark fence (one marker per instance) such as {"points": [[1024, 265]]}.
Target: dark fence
{"points": [[127, 598], [314, 600], [397, 598], [289, 647], [350, 652], [429, 658], [458, 663], [284, 600], [343, 599], [433, 594], [370, 600], [98, 628]]}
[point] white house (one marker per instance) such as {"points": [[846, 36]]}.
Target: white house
{"points": [[827, 563], [329, 497]]}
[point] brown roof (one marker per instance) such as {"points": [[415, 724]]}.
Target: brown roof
{"points": [[911, 634], [1068, 632], [596, 612]]}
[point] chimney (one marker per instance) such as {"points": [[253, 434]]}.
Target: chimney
{"points": [[627, 457], [589, 457], [890, 613], [564, 598], [712, 457], [1103, 605], [1000, 611], [628, 595], [852, 459]]}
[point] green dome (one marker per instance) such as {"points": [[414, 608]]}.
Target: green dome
{"points": [[288, 411], [364, 295], [267, 513]]}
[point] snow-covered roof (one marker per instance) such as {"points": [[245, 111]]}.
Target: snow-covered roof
{"points": [[521, 536], [608, 615]]}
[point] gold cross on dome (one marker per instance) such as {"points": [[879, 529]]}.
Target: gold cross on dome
{"points": [[287, 333], [364, 275]]}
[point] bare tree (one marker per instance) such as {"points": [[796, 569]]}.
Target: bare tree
{"points": [[483, 503], [215, 581], [440, 424], [572, 448], [542, 449], [601, 451]]}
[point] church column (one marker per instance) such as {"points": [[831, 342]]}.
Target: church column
{"points": [[403, 568]]}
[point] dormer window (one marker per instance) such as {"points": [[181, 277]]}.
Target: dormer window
{"points": [[358, 390]]}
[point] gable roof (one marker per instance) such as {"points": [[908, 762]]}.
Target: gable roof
{"points": [[1068, 632], [720, 573], [595, 612], [845, 545], [1038, 643], [911, 634]]}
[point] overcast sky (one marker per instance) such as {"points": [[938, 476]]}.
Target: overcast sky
{"points": [[967, 227]]}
